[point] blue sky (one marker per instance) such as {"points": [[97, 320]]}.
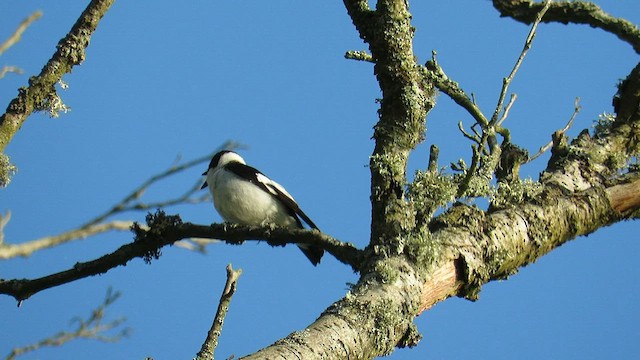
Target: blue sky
{"points": [[180, 79]]}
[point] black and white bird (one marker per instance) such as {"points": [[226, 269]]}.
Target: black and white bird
{"points": [[244, 195]]}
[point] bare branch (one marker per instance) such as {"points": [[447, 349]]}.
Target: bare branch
{"points": [[562, 131], [4, 220], [41, 93], [15, 37], [505, 113], [359, 55], [91, 328], [577, 12], [165, 230], [9, 69], [434, 73], [130, 202], [8, 251], [211, 342], [527, 45]]}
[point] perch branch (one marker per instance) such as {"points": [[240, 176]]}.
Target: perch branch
{"points": [[166, 230]]}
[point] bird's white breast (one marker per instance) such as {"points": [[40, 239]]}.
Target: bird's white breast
{"points": [[239, 201]]}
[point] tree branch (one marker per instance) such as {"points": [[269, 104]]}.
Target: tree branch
{"points": [[406, 99], [461, 258], [165, 230], [17, 35], [577, 12], [91, 328], [8, 251], [464, 247], [9, 69], [211, 342], [131, 202], [527, 45], [41, 92], [576, 111], [434, 73]]}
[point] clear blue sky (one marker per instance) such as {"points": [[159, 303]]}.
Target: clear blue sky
{"points": [[175, 79]]}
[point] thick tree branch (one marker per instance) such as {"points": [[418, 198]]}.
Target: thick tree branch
{"points": [[479, 249], [577, 12], [41, 90], [406, 99], [466, 247], [165, 230], [625, 198]]}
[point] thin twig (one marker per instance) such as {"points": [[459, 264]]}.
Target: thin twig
{"points": [[8, 251], [435, 74], [4, 220], [505, 113], [91, 328], [130, 202], [547, 146], [9, 69], [15, 37], [576, 12], [527, 45], [434, 151], [359, 55], [211, 342]]}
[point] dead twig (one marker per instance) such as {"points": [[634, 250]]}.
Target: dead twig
{"points": [[90, 328], [15, 37], [562, 131], [211, 342]]}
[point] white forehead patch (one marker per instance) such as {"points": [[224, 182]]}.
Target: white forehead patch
{"points": [[230, 157]]}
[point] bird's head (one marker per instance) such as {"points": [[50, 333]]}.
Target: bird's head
{"points": [[222, 158]]}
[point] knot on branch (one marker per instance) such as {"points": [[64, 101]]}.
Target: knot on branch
{"points": [[627, 101], [461, 215], [158, 224], [511, 158], [411, 337]]}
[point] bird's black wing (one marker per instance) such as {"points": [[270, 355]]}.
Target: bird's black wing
{"points": [[263, 182], [253, 175]]}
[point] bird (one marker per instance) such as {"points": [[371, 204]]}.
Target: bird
{"points": [[243, 195]]}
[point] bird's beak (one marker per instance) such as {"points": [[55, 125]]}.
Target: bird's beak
{"points": [[205, 182]]}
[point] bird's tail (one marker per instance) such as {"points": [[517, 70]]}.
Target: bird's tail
{"points": [[313, 253]]}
